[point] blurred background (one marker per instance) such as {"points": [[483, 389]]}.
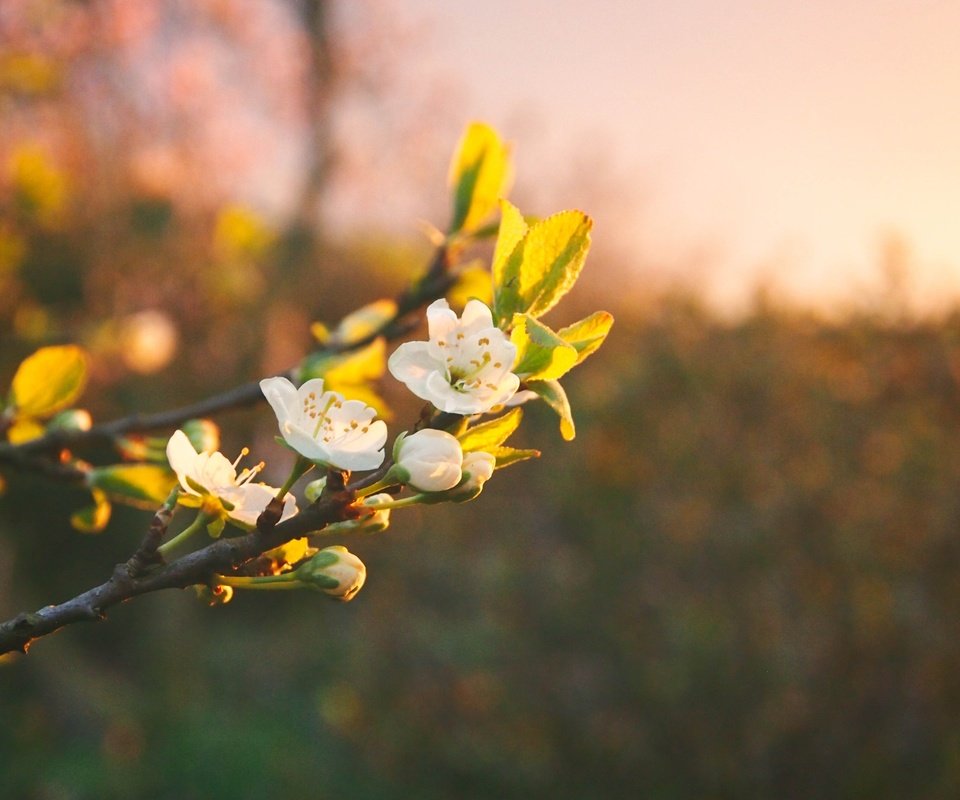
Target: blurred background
{"points": [[739, 581]]}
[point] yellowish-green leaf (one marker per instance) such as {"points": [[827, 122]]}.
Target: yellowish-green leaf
{"points": [[588, 334], [289, 553], [23, 430], [363, 322], [141, 485], [49, 380], [507, 258], [543, 264], [473, 283], [366, 364], [491, 434], [553, 254], [541, 354], [553, 394], [510, 455], [94, 518], [480, 174]]}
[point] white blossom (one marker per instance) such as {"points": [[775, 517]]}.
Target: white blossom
{"points": [[211, 475], [465, 367], [324, 427]]}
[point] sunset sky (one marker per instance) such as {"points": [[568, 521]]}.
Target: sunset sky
{"points": [[773, 140]]}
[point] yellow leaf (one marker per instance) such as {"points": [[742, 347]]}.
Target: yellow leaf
{"points": [[480, 174], [140, 485], [363, 322], [49, 380], [23, 430], [588, 334], [366, 364], [512, 229], [472, 283], [93, 519]]}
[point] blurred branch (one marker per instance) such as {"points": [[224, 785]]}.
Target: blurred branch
{"points": [[28, 455], [198, 567]]}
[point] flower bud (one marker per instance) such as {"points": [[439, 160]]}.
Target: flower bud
{"points": [[335, 571], [314, 489], [74, 419], [429, 460], [477, 469], [203, 434]]}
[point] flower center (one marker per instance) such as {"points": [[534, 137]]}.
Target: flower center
{"points": [[466, 377], [325, 427]]}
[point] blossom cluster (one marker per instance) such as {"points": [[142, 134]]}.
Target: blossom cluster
{"points": [[463, 369]]}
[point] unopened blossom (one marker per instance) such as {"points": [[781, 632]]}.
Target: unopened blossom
{"points": [[429, 460], [477, 468], [324, 427], [335, 571], [465, 367], [210, 475]]}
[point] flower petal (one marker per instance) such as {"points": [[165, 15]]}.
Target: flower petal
{"points": [[441, 320], [182, 458], [282, 396], [412, 363], [476, 317]]}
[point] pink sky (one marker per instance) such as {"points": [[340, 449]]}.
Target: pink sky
{"points": [[778, 140]]}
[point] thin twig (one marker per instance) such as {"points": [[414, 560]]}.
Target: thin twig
{"points": [[433, 285]]}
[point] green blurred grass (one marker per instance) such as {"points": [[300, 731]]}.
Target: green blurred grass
{"points": [[739, 581]]}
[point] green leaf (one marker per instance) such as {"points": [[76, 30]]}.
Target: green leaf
{"points": [[533, 269], [555, 397], [507, 258], [541, 354], [143, 485], [479, 174], [492, 434], [49, 380], [93, 519], [509, 455], [588, 334]]}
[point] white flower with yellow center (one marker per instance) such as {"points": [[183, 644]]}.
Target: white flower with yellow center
{"points": [[324, 427], [213, 480], [465, 367]]}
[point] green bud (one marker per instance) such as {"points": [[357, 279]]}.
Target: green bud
{"points": [[314, 489], [74, 419], [203, 434], [335, 571]]}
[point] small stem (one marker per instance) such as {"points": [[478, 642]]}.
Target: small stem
{"points": [[198, 524], [285, 580], [300, 468], [403, 502], [388, 480]]}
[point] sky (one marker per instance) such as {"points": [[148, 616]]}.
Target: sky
{"points": [[780, 142]]}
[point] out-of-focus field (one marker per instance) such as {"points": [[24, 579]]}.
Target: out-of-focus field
{"points": [[740, 580]]}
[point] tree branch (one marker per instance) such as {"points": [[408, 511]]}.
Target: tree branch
{"points": [[198, 567]]}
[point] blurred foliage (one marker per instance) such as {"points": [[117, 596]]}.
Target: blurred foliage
{"points": [[739, 580]]}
